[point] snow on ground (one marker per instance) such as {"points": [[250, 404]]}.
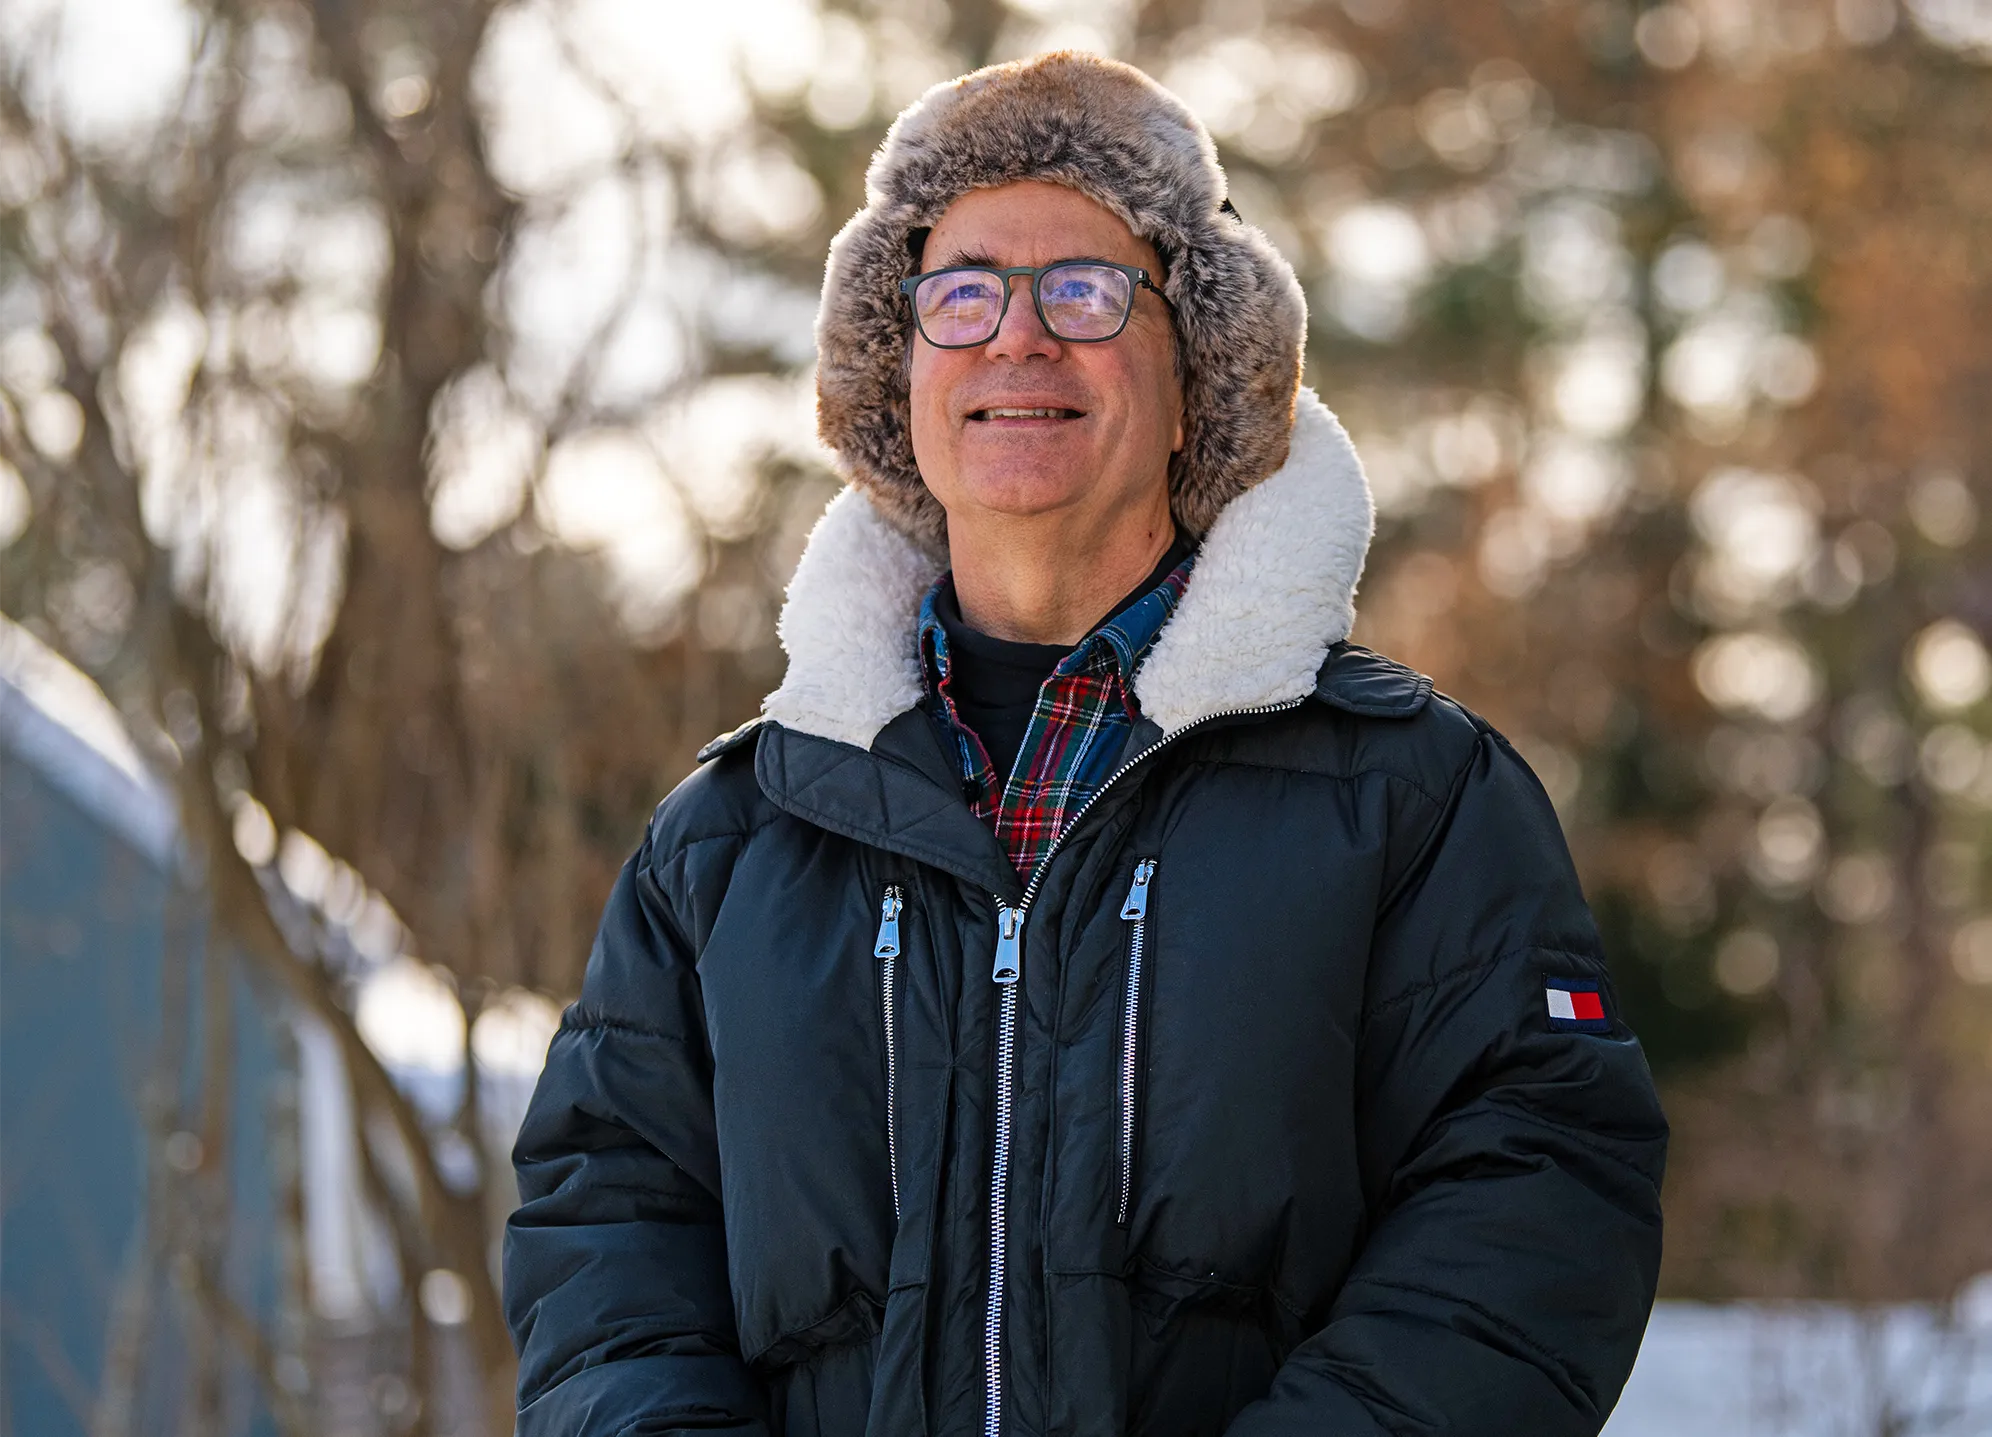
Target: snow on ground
{"points": [[1813, 1370]]}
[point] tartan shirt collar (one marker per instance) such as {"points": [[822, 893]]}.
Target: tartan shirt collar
{"points": [[1081, 717], [1118, 645]]}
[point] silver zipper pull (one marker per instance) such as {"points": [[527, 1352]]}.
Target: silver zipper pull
{"points": [[888, 925], [1009, 943], [1135, 909]]}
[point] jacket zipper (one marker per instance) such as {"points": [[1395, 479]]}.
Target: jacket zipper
{"points": [[886, 950], [1008, 969], [1134, 912]]}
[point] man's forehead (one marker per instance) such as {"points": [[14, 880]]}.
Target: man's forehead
{"points": [[1030, 222]]}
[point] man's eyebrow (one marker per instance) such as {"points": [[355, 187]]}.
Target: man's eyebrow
{"points": [[958, 258]]}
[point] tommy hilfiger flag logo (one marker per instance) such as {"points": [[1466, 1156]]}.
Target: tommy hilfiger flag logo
{"points": [[1575, 1006]]}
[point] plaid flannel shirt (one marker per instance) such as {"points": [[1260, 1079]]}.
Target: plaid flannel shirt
{"points": [[1083, 713]]}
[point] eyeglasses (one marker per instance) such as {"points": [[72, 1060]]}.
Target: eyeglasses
{"points": [[1081, 301]]}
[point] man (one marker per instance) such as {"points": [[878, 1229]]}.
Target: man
{"points": [[1095, 998]]}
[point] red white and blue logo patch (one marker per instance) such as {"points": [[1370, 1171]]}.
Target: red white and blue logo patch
{"points": [[1575, 1006]]}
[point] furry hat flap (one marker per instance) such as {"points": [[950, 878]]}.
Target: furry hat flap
{"points": [[1107, 130]]}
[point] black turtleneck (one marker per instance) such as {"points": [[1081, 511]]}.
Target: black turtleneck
{"points": [[994, 682]]}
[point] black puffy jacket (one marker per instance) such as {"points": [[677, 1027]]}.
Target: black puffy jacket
{"points": [[1294, 1142]]}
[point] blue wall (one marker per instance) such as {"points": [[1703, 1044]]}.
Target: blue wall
{"points": [[89, 904]]}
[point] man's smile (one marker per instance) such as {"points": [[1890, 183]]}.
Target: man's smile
{"points": [[1003, 412], [1025, 412]]}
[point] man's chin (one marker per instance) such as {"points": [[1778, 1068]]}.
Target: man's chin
{"points": [[1025, 490]]}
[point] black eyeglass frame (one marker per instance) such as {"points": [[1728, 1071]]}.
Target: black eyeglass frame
{"points": [[1138, 275]]}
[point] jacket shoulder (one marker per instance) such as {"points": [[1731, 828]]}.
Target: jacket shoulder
{"points": [[732, 739], [720, 798], [1377, 714], [1360, 681]]}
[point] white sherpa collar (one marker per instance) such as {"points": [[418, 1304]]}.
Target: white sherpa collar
{"points": [[1274, 588]]}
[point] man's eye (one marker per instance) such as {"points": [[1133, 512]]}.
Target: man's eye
{"points": [[969, 292], [1075, 291]]}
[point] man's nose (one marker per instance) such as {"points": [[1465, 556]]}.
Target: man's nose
{"points": [[1021, 334]]}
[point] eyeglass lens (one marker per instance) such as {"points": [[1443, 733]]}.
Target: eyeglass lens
{"points": [[1079, 302]]}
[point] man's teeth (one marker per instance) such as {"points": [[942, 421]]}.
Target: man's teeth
{"points": [[1027, 413]]}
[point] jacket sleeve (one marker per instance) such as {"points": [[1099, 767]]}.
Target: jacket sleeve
{"points": [[1511, 1171], [615, 1263]]}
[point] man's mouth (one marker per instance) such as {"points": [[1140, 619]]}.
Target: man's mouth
{"points": [[1011, 412]]}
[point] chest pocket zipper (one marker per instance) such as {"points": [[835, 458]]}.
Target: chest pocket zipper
{"points": [[1135, 913], [886, 950]]}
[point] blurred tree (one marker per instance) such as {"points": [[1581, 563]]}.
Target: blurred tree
{"points": [[274, 334]]}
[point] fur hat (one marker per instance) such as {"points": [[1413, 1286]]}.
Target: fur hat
{"points": [[1107, 130]]}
